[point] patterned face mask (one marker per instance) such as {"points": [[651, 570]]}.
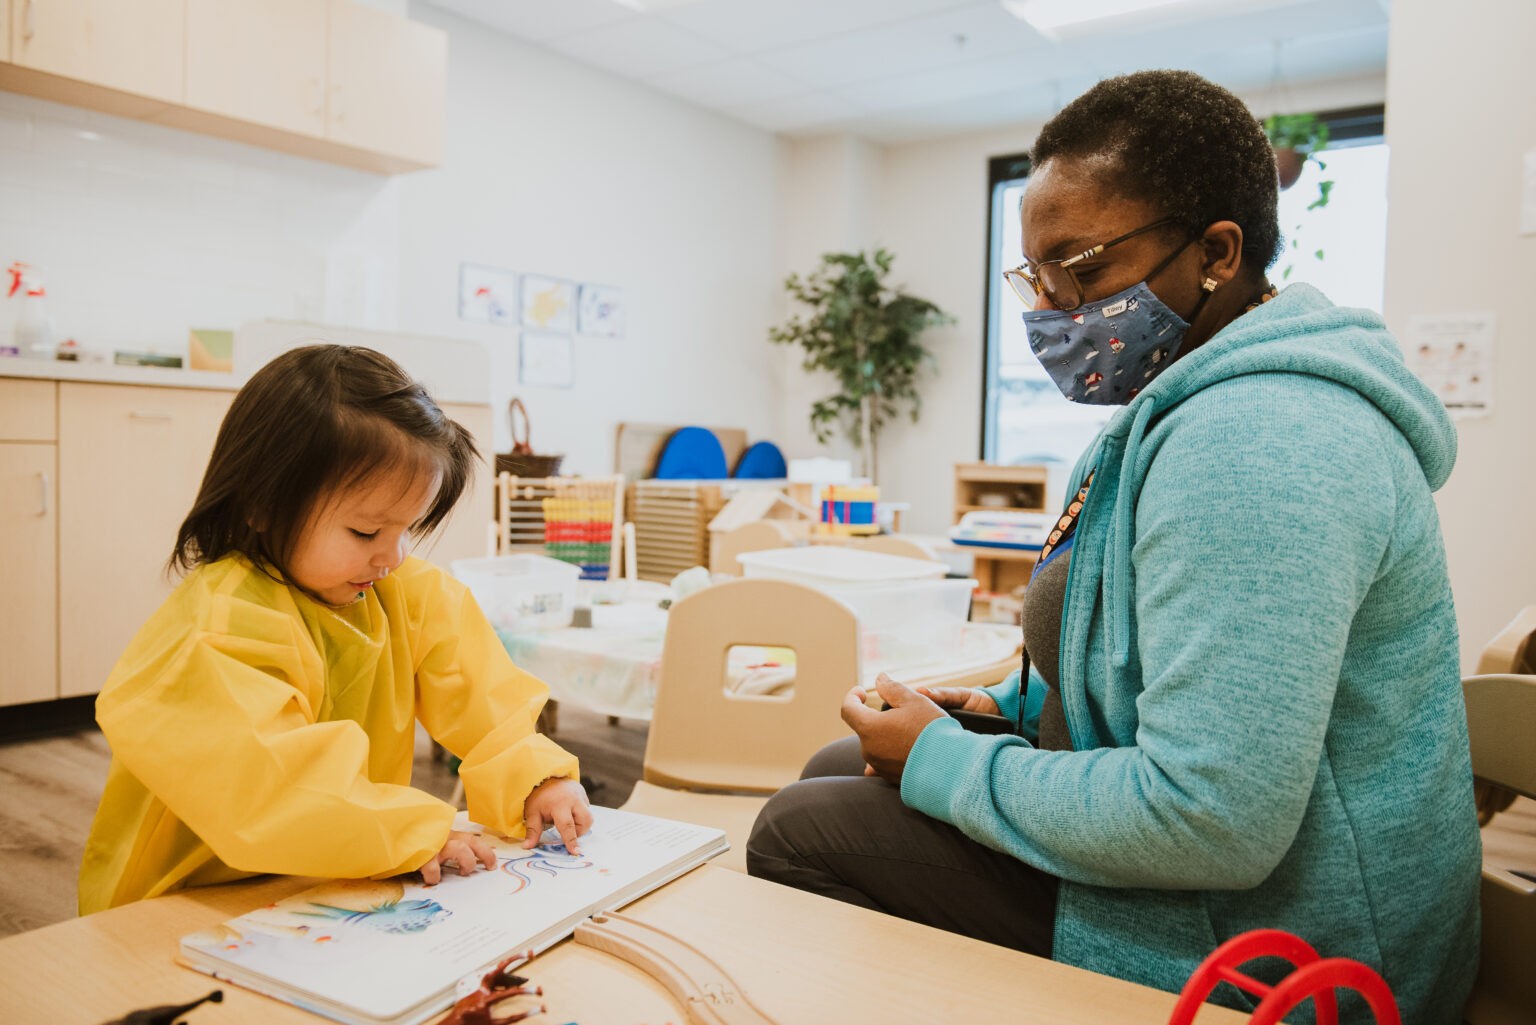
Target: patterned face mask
{"points": [[1104, 352]]}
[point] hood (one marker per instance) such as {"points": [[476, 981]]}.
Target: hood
{"points": [[1298, 332]]}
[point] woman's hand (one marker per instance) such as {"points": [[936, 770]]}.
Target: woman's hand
{"points": [[886, 738], [462, 851], [561, 803], [969, 699]]}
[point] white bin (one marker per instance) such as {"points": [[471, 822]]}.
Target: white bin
{"points": [[521, 592]]}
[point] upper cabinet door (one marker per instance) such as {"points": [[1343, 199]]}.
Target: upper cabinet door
{"points": [[135, 47], [5, 30], [258, 62], [388, 83]]}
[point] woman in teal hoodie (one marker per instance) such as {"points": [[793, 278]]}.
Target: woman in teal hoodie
{"points": [[1244, 706]]}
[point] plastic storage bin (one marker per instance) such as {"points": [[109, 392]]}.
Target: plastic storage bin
{"points": [[824, 565], [521, 592], [909, 613]]}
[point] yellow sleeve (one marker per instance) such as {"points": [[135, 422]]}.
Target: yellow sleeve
{"points": [[221, 725], [484, 709]]}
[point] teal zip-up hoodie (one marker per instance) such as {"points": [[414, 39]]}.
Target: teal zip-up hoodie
{"points": [[1259, 670]]}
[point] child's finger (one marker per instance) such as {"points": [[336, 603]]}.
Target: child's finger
{"points": [[534, 825], [570, 835], [484, 852], [432, 873]]}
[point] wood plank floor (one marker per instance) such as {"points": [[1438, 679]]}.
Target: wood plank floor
{"points": [[49, 789]]}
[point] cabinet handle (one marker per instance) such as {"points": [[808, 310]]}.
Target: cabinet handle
{"points": [[159, 418], [28, 22], [42, 493]]}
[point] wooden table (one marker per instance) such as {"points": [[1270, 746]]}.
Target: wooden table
{"points": [[803, 959]]}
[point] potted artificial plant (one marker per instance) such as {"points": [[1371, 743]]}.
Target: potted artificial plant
{"points": [[865, 333]]}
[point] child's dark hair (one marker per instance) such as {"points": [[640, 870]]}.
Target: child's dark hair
{"points": [[1186, 146], [313, 421]]}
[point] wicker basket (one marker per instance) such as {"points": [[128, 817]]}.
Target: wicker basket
{"points": [[521, 461], [521, 464]]}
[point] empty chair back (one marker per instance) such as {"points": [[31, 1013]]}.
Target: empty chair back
{"points": [[703, 736]]}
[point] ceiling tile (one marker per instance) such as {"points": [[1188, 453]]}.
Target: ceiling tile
{"points": [[727, 83], [638, 48], [917, 44], [752, 26], [1017, 72], [537, 20]]}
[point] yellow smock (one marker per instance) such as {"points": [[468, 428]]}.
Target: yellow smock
{"points": [[256, 730]]}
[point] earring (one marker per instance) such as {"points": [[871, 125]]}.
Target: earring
{"points": [[1209, 284]]}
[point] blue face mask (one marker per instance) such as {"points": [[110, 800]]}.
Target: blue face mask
{"points": [[1106, 351]]}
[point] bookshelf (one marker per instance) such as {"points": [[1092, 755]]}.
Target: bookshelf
{"points": [[992, 487]]}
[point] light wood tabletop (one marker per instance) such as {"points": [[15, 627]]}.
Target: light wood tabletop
{"points": [[801, 958]]}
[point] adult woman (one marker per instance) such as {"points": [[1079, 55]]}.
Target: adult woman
{"points": [[1253, 717]]}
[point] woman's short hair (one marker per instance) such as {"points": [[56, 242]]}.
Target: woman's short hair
{"points": [[313, 421], [1186, 146]]}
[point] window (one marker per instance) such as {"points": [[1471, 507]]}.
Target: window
{"points": [[1026, 420]]}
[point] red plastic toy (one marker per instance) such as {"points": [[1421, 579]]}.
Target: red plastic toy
{"points": [[1315, 978]]}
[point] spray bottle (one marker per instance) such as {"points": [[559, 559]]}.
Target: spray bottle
{"points": [[34, 328]]}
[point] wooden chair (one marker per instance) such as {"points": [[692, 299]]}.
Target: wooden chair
{"points": [[895, 544], [1501, 714], [713, 756], [575, 519], [757, 536], [1512, 651]]}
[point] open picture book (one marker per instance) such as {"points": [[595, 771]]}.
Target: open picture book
{"points": [[395, 951]]}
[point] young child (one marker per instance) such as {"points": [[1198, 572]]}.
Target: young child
{"points": [[264, 719]]}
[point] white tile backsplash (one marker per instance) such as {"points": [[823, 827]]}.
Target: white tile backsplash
{"points": [[141, 232]]}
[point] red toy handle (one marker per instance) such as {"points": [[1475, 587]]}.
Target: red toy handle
{"points": [[1316, 978]]}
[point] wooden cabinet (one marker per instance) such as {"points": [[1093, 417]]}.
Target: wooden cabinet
{"points": [[28, 542], [326, 79], [95, 480], [130, 462], [991, 487], [387, 83], [131, 47], [262, 63]]}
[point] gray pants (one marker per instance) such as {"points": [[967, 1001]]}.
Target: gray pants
{"points": [[848, 836]]}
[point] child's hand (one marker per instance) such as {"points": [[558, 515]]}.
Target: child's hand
{"points": [[561, 803], [462, 850]]}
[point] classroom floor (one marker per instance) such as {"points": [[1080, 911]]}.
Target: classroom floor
{"points": [[49, 788]]}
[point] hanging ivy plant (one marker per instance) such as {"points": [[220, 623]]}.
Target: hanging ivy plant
{"points": [[1297, 139]]}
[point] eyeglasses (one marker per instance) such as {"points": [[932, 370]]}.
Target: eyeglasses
{"points": [[1056, 280]]}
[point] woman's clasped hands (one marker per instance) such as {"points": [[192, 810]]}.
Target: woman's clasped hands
{"points": [[886, 737]]}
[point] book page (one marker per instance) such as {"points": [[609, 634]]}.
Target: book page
{"points": [[392, 950]]}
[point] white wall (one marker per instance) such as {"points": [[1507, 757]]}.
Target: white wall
{"points": [[1461, 114], [142, 232], [555, 169]]}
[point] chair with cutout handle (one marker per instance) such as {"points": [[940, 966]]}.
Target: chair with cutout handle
{"points": [[715, 755], [1501, 719]]}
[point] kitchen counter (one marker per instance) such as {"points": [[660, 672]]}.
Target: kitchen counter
{"points": [[453, 369], [111, 373]]}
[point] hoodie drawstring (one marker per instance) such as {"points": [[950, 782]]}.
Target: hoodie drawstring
{"points": [[1118, 572]]}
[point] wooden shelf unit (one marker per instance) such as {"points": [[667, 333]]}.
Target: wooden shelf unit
{"points": [[1017, 488]]}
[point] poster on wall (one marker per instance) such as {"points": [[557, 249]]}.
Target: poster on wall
{"points": [[544, 360], [487, 295], [548, 303], [1453, 354], [601, 311]]}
